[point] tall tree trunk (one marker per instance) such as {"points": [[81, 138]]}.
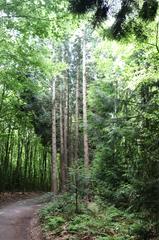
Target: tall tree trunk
{"points": [[68, 122], [77, 116], [54, 150], [2, 98], [34, 165], [62, 139], [30, 175], [20, 146], [85, 122], [70, 141], [26, 162], [66, 127]]}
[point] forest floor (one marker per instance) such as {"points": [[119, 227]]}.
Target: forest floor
{"points": [[18, 216], [93, 221]]}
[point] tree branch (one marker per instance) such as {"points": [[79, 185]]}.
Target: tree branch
{"points": [[157, 34], [29, 17]]}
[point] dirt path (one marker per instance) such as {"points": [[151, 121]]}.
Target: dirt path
{"points": [[15, 219]]}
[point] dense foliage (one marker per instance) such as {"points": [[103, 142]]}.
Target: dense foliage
{"points": [[126, 13], [79, 113]]}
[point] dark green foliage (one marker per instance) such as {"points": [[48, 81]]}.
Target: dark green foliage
{"points": [[118, 28], [142, 231], [125, 135], [149, 10], [80, 183], [81, 6], [125, 15], [101, 13], [139, 30], [40, 109], [147, 170], [123, 126], [101, 9]]}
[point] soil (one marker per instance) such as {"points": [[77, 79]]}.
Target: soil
{"points": [[18, 220]]}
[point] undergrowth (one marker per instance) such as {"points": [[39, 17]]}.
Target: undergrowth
{"points": [[93, 221]]}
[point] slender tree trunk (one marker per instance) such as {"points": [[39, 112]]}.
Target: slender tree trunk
{"points": [[2, 98], [34, 165], [85, 122], [62, 139], [26, 162], [66, 128], [70, 141], [68, 122], [44, 167], [77, 116], [30, 175], [64, 124], [12, 145], [54, 150], [20, 145]]}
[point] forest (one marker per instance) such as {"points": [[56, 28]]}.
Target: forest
{"points": [[79, 114]]}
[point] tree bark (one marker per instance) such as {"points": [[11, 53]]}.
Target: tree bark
{"points": [[54, 150], [66, 128], [85, 122], [77, 116], [62, 138]]}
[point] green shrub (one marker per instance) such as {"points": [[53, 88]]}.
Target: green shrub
{"points": [[52, 223], [79, 223], [114, 238], [95, 220], [60, 205], [141, 231]]}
